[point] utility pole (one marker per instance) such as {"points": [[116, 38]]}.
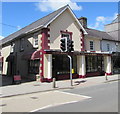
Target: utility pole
{"points": [[70, 58]]}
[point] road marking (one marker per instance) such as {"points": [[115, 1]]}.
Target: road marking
{"points": [[73, 94], [48, 106], [41, 108], [51, 105]]}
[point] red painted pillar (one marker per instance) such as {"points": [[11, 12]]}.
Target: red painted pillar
{"points": [[44, 45], [82, 40]]}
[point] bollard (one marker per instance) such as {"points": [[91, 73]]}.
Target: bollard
{"points": [[106, 76], [54, 83]]}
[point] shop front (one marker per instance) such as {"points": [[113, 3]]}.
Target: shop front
{"points": [[94, 65], [61, 66]]}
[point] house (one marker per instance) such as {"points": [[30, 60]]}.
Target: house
{"points": [[35, 49], [113, 43]]}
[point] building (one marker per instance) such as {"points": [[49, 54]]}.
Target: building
{"points": [[113, 43], [35, 49]]}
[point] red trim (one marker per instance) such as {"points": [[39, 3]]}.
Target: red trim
{"points": [[35, 55], [67, 76], [46, 80], [17, 77], [66, 32], [108, 73], [82, 76], [45, 38], [82, 40], [93, 74], [48, 42], [44, 45], [92, 51]]}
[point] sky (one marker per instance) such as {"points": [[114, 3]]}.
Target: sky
{"points": [[16, 15]]}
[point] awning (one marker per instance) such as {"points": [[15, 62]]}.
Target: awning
{"points": [[35, 55], [1, 59], [10, 58], [31, 55]]}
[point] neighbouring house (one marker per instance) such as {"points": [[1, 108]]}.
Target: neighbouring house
{"points": [[35, 49], [113, 43]]}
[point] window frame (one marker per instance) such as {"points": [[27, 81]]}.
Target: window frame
{"points": [[108, 47], [91, 45], [33, 66], [35, 38]]}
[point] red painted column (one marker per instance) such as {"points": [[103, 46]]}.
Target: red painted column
{"points": [[82, 40], [44, 45]]}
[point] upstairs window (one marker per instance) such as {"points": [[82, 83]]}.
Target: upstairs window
{"points": [[66, 35], [12, 47], [21, 44], [91, 45], [35, 37], [108, 47]]}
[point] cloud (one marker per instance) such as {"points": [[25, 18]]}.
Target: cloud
{"points": [[18, 27], [1, 37], [51, 5], [102, 20]]}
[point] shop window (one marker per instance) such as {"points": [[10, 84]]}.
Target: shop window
{"points": [[33, 67], [91, 45], [21, 44], [94, 63], [61, 64]]}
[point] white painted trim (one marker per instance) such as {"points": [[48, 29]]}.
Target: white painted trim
{"points": [[55, 17], [73, 16], [73, 94], [77, 20]]}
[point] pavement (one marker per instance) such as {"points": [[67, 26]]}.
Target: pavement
{"points": [[36, 86]]}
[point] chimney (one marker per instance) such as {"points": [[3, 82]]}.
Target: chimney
{"points": [[83, 21]]}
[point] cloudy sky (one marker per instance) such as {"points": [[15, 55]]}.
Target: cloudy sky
{"points": [[16, 15]]}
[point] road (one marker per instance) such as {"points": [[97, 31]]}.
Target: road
{"points": [[104, 99], [97, 98]]}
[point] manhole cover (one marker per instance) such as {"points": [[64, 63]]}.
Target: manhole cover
{"points": [[37, 85], [34, 97]]}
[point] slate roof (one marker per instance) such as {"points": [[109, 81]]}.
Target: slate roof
{"points": [[99, 34], [35, 25]]}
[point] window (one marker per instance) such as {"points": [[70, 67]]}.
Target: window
{"points": [[91, 45], [35, 40], [21, 44], [61, 64], [66, 35], [12, 47], [33, 66], [108, 47], [94, 63]]}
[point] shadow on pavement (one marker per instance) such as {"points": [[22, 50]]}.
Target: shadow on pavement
{"points": [[79, 82]]}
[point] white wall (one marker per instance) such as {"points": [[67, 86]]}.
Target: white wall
{"points": [[111, 43]]}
